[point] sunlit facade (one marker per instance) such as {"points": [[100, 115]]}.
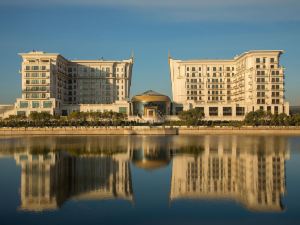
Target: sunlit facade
{"points": [[54, 84], [150, 105], [229, 89]]}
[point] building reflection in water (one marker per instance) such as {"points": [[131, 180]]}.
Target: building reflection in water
{"points": [[250, 170], [48, 180]]}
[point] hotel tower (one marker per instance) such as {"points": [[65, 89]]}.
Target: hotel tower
{"points": [[54, 84], [228, 89]]}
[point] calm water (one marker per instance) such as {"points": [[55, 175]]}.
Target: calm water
{"points": [[150, 180]]}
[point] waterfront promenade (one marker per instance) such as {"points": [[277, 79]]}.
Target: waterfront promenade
{"points": [[148, 130]]}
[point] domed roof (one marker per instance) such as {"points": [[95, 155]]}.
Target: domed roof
{"points": [[150, 164], [151, 96]]}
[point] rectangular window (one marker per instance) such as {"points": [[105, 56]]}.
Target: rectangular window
{"points": [[213, 111], [21, 113], [35, 104], [240, 111], [227, 111], [23, 104], [47, 104]]}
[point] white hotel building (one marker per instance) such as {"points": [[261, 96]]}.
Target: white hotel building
{"points": [[228, 89], [60, 86]]}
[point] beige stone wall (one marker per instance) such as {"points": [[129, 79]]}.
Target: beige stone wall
{"points": [[51, 82], [253, 80]]}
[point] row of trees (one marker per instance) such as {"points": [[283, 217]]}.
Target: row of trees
{"points": [[263, 118], [43, 119], [193, 117]]}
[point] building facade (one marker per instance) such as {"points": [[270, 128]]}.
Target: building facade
{"points": [[236, 168], [150, 106], [228, 89], [48, 180], [60, 86]]}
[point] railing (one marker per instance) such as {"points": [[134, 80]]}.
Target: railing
{"points": [[24, 90]]}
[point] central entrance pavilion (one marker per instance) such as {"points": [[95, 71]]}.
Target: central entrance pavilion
{"points": [[150, 106]]}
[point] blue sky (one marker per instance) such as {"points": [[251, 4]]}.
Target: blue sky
{"points": [[112, 28]]}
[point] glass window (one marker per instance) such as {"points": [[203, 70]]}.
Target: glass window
{"points": [[35, 104], [23, 104], [213, 111], [123, 110], [47, 104], [240, 111], [21, 113], [227, 111]]}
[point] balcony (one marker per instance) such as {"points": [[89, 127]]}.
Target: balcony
{"points": [[35, 91]]}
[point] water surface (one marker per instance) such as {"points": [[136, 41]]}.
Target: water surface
{"points": [[212, 179]]}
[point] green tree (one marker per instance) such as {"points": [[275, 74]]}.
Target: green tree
{"points": [[257, 118], [42, 116], [191, 117]]}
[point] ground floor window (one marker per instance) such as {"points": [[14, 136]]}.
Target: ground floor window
{"points": [[227, 111], [23, 104], [276, 109], [35, 104], [123, 110], [178, 110], [213, 111], [47, 104], [240, 111], [64, 112], [21, 113]]}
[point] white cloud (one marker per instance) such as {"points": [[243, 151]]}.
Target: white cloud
{"points": [[218, 10]]}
